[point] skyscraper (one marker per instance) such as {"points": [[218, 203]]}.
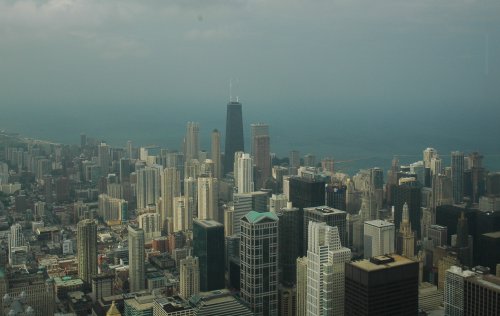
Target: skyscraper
{"points": [[330, 216], [234, 134], [136, 259], [454, 290], [261, 153], [457, 176], [383, 285], [208, 198], [294, 162], [170, 188], [290, 242], [301, 286], [87, 250], [104, 158], [326, 260], [208, 246], [244, 174], [148, 186], [192, 141], [189, 283], [259, 262], [216, 157], [406, 235]]}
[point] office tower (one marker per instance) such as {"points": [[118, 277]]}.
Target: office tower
{"points": [[454, 291], [261, 153], [87, 250], [287, 298], [216, 156], [125, 168], [485, 256], [463, 242], [150, 224], [244, 178], [294, 162], [259, 262], [438, 234], [104, 158], [277, 202], [17, 245], [330, 216], [220, 303], [83, 140], [378, 238], [457, 176], [189, 274], [436, 166], [383, 285], [326, 259], [234, 134], [246, 202], [482, 295], [408, 191], [336, 196], [476, 177], [301, 286], [406, 237], [130, 150], [306, 192], [208, 247], [16, 236], [328, 164], [192, 141], [148, 186], [170, 188], [136, 258], [290, 230], [208, 198]]}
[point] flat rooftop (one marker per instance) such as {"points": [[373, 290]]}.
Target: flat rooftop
{"points": [[323, 209], [209, 222], [386, 262], [379, 223]]}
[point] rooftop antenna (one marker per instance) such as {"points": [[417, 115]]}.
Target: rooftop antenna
{"points": [[230, 90], [237, 85]]}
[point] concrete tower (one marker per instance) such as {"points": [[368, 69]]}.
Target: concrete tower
{"points": [[208, 196], [192, 141], [244, 180], [457, 176], [261, 152], [87, 250], [189, 283], [170, 188], [136, 259], [216, 157]]}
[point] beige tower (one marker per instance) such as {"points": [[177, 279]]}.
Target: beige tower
{"points": [[170, 187], [136, 258], [87, 250], [301, 286], [189, 277], [216, 154], [407, 235], [208, 198]]}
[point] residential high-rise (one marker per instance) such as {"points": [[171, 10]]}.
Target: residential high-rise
{"points": [[104, 158], [170, 188], [208, 198], [87, 250], [189, 283], [216, 156], [148, 186], [378, 238], [259, 262], [191, 195], [382, 285], [136, 258], [244, 173], [208, 247], [261, 153], [330, 216], [182, 214], [192, 141], [290, 242], [150, 224], [234, 134], [294, 164], [457, 176], [326, 260]]}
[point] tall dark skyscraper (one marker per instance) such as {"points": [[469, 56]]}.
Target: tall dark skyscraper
{"points": [[208, 246], [234, 134], [290, 230]]}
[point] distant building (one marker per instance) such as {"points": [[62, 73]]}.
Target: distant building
{"points": [[189, 272], [379, 238]]}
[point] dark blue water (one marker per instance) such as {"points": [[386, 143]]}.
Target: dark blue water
{"points": [[355, 136]]}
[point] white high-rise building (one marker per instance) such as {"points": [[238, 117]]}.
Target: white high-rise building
{"points": [[192, 140], [136, 258], [429, 154], [150, 224], [170, 188], [454, 291], [191, 195], [148, 186], [326, 259], [301, 286], [189, 283], [244, 173], [277, 202], [216, 157], [378, 238], [183, 216], [16, 236], [208, 197]]}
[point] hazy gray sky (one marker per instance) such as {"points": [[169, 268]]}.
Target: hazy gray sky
{"points": [[403, 57]]}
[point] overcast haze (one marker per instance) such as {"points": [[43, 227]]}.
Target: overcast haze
{"points": [[353, 73]]}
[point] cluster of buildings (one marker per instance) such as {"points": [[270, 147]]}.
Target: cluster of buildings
{"points": [[95, 229]]}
